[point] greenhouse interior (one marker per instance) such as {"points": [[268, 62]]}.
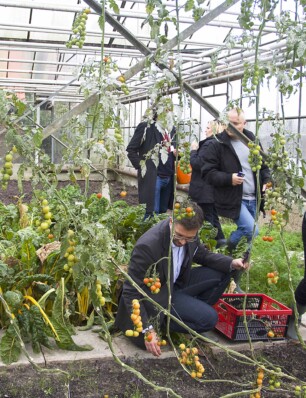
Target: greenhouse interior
{"points": [[77, 79]]}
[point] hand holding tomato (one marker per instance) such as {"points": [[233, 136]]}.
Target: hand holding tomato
{"points": [[152, 345]]}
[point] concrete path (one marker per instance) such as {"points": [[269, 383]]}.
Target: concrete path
{"points": [[124, 348]]}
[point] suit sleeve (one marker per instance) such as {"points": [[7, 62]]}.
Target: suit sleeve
{"points": [[135, 144], [141, 260], [217, 261], [211, 166]]}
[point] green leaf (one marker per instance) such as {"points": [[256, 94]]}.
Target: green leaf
{"points": [[37, 137], [10, 348], [101, 23], [58, 308], [89, 323], [189, 5], [114, 6], [66, 342]]}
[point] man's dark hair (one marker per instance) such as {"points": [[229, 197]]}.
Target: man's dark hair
{"points": [[194, 222]]}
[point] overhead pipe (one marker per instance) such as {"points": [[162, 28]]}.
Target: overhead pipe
{"points": [[237, 57], [60, 30], [190, 20], [220, 70]]}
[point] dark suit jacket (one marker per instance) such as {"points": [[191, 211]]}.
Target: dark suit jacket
{"points": [[153, 248]]}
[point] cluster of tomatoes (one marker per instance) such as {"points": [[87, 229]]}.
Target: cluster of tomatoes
{"points": [[255, 158], [259, 380], [153, 284], [70, 252], [149, 336], [109, 65], [274, 381], [43, 225], [99, 293], [180, 211], [300, 391], [79, 29], [268, 238], [189, 358], [272, 277], [136, 319], [251, 77], [118, 135], [123, 86], [7, 169], [277, 218], [272, 196], [184, 165], [279, 159]]}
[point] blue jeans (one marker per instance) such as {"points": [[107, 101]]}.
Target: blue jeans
{"points": [[245, 222], [163, 189]]}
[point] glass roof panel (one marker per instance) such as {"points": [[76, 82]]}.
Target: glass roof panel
{"points": [[54, 21], [33, 34], [9, 16]]}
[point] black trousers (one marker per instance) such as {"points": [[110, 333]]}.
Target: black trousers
{"points": [[193, 304], [211, 216]]}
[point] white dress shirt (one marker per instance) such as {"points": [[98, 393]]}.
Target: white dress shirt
{"points": [[178, 254]]}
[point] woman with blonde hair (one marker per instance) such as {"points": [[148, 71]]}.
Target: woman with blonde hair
{"points": [[200, 191]]}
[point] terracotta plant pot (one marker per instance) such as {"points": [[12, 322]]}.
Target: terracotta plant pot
{"points": [[181, 177]]}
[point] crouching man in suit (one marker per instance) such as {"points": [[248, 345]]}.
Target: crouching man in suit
{"points": [[194, 290]]}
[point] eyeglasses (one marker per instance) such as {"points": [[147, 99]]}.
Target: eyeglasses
{"points": [[180, 237]]}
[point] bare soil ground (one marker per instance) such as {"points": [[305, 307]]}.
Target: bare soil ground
{"points": [[12, 193], [97, 379]]}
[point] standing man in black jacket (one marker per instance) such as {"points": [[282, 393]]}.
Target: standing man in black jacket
{"points": [[193, 290], [155, 186], [227, 168]]}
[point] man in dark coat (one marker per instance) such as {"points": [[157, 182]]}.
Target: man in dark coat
{"points": [[227, 167], [155, 187], [193, 290], [235, 196]]}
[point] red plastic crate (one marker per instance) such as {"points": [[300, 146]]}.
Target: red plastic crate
{"points": [[263, 315]]}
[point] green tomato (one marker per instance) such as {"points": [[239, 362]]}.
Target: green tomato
{"points": [[44, 226], [48, 216]]}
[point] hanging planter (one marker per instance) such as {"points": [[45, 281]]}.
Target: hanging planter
{"points": [[181, 176]]}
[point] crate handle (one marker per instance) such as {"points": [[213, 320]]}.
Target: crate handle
{"points": [[223, 306]]}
